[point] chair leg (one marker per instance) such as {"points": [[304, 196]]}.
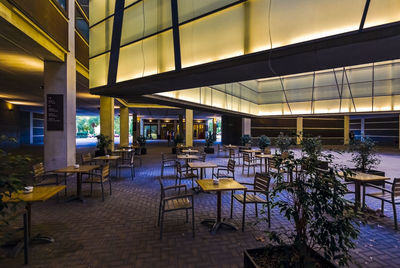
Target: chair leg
{"points": [[161, 224], [162, 171], [109, 181], [269, 215], [394, 214], [243, 216], [102, 191], [231, 204], [193, 220], [91, 187], [256, 208], [159, 214], [187, 216]]}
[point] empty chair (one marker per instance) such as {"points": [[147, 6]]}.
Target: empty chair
{"points": [[220, 148], [202, 157], [258, 195], [41, 177], [185, 173], [249, 161], [226, 172], [101, 178], [167, 161], [87, 159], [127, 164], [170, 203], [391, 196]]}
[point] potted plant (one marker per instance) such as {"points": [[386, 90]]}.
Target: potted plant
{"points": [[177, 140], [209, 143], [312, 147], [263, 142], [283, 142], [15, 172], [103, 143], [245, 139], [364, 156], [141, 140], [323, 223]]}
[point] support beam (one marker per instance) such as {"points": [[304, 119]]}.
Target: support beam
{"points": [[124, 126], [60, 105], [299, 129], [189, 127], [346, 129], [175, 34], [107, 118]]}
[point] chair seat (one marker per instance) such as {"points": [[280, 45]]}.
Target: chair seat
{"points": [[384, 196], [96, 179], [179, 203], [250, 198]]}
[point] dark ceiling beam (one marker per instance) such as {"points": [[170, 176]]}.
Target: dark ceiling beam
{"points": [[364, 15], [326, 53], [175, 33]]}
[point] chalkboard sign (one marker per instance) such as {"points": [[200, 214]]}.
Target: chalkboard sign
{"points": [[55, 112]]}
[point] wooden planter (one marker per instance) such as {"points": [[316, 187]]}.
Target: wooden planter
{"points": [[249, 261]]}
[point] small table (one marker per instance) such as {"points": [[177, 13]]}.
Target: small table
{"points": [[225, 184], [39, 194], [202, 166], [266, 158], [361, 178], [190, 151], [251, 151], [78, 171], [187, 157], [123, 152], [231, 149]]}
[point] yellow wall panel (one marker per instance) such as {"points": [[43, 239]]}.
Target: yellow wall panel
{"points": [[98, 70]]}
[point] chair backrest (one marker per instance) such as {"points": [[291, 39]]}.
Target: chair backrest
{"points": [[86, 158], [203, 157], [38, 170], [273, 164], [246, 157], [105, 171], [396, 186], [231, 166], [161, 187], [262, 182], [267, 150], [178, 167]]}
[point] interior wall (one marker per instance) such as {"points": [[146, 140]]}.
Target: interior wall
{"points": [[231, 127]]}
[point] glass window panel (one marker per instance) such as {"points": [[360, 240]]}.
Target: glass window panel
{"points": [[269, 85], [383, 103], [382, 72], [298, 82], [258, 38], [326, 106], [326, 93], [326, 79], [361, 89], [271, 109], [362, 105], [215, 37], [395, 86], [150, 56], [383, 88], [98, 70], [298, 21], [157, 16], [358, 74], [191, 9], [192, 95], [304, 94], [382, 11], [100, 37], [272, 97], [100, 9]]}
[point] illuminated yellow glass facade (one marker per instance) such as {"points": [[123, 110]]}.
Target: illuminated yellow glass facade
{"points": [[212, 30]]}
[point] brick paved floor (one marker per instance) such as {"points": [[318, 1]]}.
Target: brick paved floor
{"points": [[122, 231]]}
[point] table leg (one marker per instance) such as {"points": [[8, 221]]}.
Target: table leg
{"points": [[201, 173], [26, 239], [78, 188], [357, 189], [29, 218], [265, 163]]}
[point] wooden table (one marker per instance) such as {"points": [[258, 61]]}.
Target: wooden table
{"points": [[202, 166], [39, 194], [187, 157], [251, 151], [231, 149], [361, 178], [78, 171], [123, 152], [225, 184], [266, 158], [190, 151]]}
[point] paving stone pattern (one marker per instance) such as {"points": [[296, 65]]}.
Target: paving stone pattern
{"points": [[122, 231]]}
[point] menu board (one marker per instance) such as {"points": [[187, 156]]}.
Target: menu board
{"points": [[55, 112]]}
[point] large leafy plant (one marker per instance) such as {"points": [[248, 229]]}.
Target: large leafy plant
{"points": [[283, 142], [313, 202], [245, 139], [364, 154], [141, 141], [263, 142], [311, 146], [103, 142]]}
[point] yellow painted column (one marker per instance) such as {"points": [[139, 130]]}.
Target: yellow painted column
{"points": [[124, 126], [189, 127], [346, 129], [299, 130], [107, 118]]}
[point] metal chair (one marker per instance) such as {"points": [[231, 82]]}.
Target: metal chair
{"points": [[101, 178], [249, 161], [130, 165], [183, 201], [391, 196], [226, 172], [41, 177], [261, 187], [167, 161], [185, 173]]}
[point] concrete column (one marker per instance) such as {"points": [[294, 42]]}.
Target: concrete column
{"points": [[299, 129], [60, 79], [246, 126], [180, 122], [189, 127], [346, 129], [362, 127], [107, 118], [124, 126]]}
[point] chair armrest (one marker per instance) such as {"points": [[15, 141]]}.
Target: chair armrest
{"points": [[247, 183], [176, 187], [377, 187], [255, 191], [178, 197]]}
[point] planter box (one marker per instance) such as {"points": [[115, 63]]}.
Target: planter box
{"points": [[209, 150], [249, 261]]}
